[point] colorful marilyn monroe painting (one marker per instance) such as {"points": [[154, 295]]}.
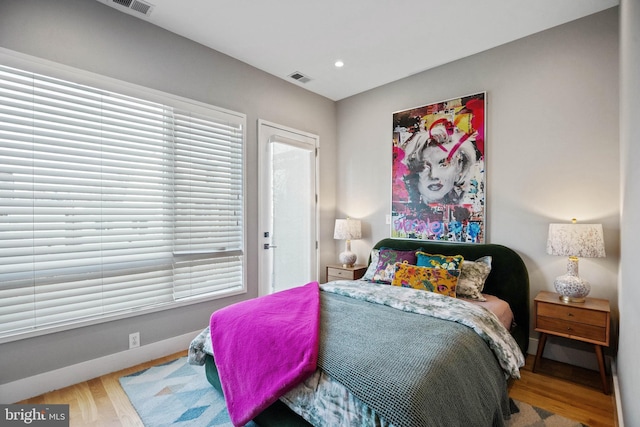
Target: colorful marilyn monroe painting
{"points": [[438, 188]]}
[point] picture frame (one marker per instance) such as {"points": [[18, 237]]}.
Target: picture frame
{"points": [[439, 171]]}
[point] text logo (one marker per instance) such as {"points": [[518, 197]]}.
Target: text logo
{"points": [[34, 415]]}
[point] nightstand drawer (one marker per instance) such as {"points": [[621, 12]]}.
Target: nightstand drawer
{"points": [[571, 329], [573, 314], [341, 273], [338, 272]]}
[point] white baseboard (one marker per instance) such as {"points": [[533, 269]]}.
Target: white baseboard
{"points": [[53, 380], [616, 392]]}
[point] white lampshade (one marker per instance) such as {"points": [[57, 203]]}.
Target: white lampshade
{"points": [[579, 240], [574, 240], [347, 229]]}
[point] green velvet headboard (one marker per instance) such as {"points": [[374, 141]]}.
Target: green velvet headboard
{"points": [[508, 280]]}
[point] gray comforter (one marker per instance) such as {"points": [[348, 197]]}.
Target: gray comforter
{"points": [[401, 357], [445, 376]]}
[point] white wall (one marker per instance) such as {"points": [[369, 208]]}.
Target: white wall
{"points": [[552, 146], [628, 366], [91, 36]]}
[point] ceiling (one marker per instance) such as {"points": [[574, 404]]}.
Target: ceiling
{"points": [[379, 41]]}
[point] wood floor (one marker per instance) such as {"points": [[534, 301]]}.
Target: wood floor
{"points": [[565, 390], [100, 402]]}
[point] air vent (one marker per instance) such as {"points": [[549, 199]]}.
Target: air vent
{"points": [[300, 77], [142, 7], [137, 6]]}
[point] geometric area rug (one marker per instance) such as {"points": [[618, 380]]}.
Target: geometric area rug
{"points": [[178, 394], [525, 415]]}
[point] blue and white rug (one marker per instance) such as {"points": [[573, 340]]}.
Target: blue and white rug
{"points": [[176, 394]]}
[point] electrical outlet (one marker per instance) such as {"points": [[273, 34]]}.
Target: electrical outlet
{"points": [[134, 340]]}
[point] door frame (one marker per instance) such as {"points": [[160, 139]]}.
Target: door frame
{"points": [[263, 128]]}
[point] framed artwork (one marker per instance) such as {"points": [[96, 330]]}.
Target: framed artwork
{"points": [[438, 176]]}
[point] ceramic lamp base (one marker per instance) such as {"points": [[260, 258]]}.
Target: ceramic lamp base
{"points": [[571, 287], [347, 259]]}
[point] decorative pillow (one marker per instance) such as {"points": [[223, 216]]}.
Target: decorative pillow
{"points": [[385, 270], [371, 270], [473, 274], [438, 280], [448, 262]]}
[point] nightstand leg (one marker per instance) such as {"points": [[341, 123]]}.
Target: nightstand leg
{"points": [[541, 342], [603, 373]]}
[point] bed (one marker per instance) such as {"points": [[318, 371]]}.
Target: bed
{"points": [[365, 374]]}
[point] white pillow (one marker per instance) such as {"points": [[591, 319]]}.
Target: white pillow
{"points": [[368, 275], [472, 277]]}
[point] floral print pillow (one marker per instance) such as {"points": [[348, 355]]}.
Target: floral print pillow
{"points": [[438, 280], [387, 258], [447, 262], [473, 274], [371, 270]]}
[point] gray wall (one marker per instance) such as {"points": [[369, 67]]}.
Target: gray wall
{"points": [[91, 36], [552, 146], [561, 143], [628, 366]]}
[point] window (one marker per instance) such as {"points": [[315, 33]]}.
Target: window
{"points": [[111, 204]]}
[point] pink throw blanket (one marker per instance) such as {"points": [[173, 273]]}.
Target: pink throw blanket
{"points": [[264, 347]]}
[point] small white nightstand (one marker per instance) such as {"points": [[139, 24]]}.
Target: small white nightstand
{"points": [[338, 272]]}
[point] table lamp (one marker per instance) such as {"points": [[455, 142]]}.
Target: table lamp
{"points": [[574, 240], [347, 229]]}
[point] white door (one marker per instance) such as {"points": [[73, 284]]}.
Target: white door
{"points": [[288, 207]]}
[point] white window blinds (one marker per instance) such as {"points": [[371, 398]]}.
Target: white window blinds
{"points": [[208, 205], [111, 204]]}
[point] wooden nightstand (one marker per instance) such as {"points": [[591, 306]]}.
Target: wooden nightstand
{"points": [[587, 321], [338, 272]]}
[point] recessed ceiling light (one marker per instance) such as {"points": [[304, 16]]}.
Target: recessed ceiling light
{"points": [[339, 64]]}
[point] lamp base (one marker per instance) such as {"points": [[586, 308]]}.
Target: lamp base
{"points": [[567, 299], [571, 287], [347, 259]]}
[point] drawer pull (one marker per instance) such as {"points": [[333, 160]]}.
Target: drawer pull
{"points": [[570, 314], [569, 329]]}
